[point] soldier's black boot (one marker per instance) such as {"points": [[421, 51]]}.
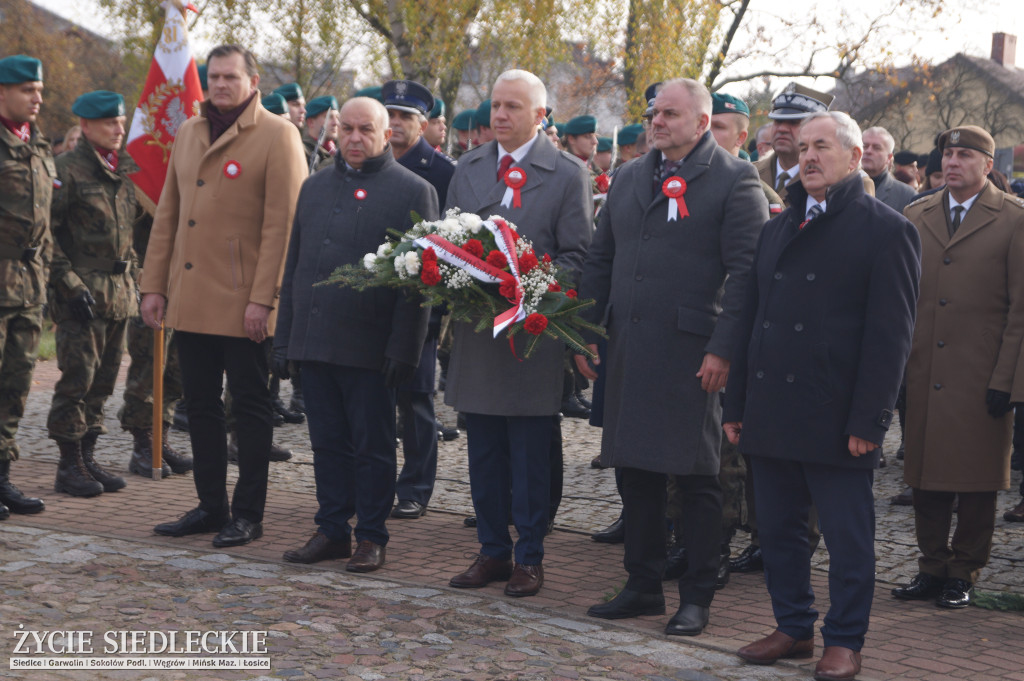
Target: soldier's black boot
{"points": [[179, 463], [11, 498], [72, 476], [180, 417], [277, 452], [298, 402], [141, 462], [110, 482]]}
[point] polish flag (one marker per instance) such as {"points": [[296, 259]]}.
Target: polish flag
{"points": [[171, 96]]}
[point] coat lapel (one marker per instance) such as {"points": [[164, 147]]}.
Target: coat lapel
{"points": [[484, 166], [643, 187], [933, 217], [984, 211]]}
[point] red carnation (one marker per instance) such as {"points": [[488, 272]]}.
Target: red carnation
{"points": [[515, 235], [554, 288], [508, 289], [536, 323], [603, 183], [474, 247], [429, 255], [546, 258], [527, 262], [571, 293], [497, 259], [430, 274]]}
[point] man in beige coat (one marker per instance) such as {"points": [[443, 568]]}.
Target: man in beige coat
{"points": [[214, 267], [964, 372]]}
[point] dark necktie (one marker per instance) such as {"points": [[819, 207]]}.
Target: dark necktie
{"points": [[957, 216], [506, 163], [814, 212], [780, 182]]}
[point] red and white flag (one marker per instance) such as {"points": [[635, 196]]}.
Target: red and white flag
{"points": [[171, 96]]}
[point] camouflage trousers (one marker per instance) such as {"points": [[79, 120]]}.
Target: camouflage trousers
{"points": [[137, 412], [20, 328], [731, 477], [89, 357]]}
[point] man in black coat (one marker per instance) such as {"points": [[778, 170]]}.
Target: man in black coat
{"points": [[353, 348], [826, 331]]}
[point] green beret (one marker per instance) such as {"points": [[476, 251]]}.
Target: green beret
{"points": [[275, 103], [98, 104], [20, 69], [723, 103], [373, 92], [629, 133], [560, 129], [464, 120], [604, 143], [969, 137], [581, 125], [290, 92], [905, 158], [548, 121], [438, 109], [483, 114], [744, 155], [318, 105], [202, 77]]}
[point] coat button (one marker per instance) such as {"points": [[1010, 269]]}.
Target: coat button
{"points": [[946, 261], [199, 183], [798, 327], [188, 266], [646, 237], [639, 277], [790, 378], [636, 320], [942, 344], [942, 302], [778, 275], [327, 241], [315, 309], [810, 276], [765, 325], [938, 386], [760, 374], [191, 223]]}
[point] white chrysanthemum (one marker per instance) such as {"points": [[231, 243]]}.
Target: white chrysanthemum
{"points": [[384, 250], [370, 261], [471, 222], [400, 267], [412, 263]]}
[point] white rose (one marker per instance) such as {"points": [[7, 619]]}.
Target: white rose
{"points": [[471, 222], [412, 263], [370, 261]]}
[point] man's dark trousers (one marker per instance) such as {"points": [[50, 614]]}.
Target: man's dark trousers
{"points": [[204, 359], [351, 414], [419, 430], [783, 492]]}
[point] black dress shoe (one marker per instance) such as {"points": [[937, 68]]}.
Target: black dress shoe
{"points": [[287, 414], [749, 560], [613, 534], [320, 547], [408, 509], [596, 463], [582, 399], [629, 603], [571, 408], [239, 532], [689, 620], [196, 521], [904, 498], [956, 594], [676, 562], [722, 577], [469, 521], [445, 433], [921, 588]]}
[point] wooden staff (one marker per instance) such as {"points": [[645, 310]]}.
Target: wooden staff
{"points": [[158, 402]]}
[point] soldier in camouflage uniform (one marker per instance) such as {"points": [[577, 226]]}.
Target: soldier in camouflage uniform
{"points": [[27, 174], [463, 125], [321, 112], [94, 295]]}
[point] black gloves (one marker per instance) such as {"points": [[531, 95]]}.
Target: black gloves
{"points": [[281, 366], [396, 373], [81, 304], [998, 403]]}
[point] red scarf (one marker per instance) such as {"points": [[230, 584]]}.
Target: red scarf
{"points": [[109, 158], [330, 147], [22, 131]]}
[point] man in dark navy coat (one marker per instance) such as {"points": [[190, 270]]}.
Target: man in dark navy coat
{"points": [[827, 326], [408, 104]]}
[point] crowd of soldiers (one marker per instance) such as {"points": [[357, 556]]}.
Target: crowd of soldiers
{"points": [[74, 233]]}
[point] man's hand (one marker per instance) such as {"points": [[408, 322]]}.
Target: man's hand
{"points": [[714, 372], [81, 303], [256, 316], [281, 365], [998, 403], [732, 431], [396, 373], [859, 447], [585, 364], [152, 309]]}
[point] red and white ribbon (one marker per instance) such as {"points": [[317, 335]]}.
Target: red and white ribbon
{"points": [[514, 178], [674, 188]]}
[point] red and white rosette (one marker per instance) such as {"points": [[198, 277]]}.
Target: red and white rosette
{"points": [[675, 188], [514, 178], [482, 270], [232, 169]]}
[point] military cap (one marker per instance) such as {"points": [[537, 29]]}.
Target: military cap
{"points": [[744, 155], [629, 133], [934, 162], [560, 129], [20, 69], [464, 120], [581, 125], [922, 160], [723, 103], [604, 143], [649, 94], [969, 137], [438, 110], [275, 103], [483, 114], [407, 95], [98, 104], [797, 102], [318, 105], [202, 77], [373, 92], [290, 91], [547, 122], [904, 158]]}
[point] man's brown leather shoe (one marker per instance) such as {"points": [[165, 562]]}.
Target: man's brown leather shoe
{"points": [[526, 580], [1015, 514], [319, 547], [774, 647], [367, 558], [837, 664], [482, 572]]}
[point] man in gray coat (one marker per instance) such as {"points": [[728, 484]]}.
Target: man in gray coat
{"points": [[510, 405], [877, 162], [668, 268]]}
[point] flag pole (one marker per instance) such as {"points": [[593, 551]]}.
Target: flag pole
{"points": [[158, 401]]}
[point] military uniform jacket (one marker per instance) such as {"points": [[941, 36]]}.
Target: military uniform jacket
{"points": [[970, 326], [335, 324], [431, 165], [323, 157], [94, 213], [671, 291], [826, 329], [27, 176], [556, 214]]}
